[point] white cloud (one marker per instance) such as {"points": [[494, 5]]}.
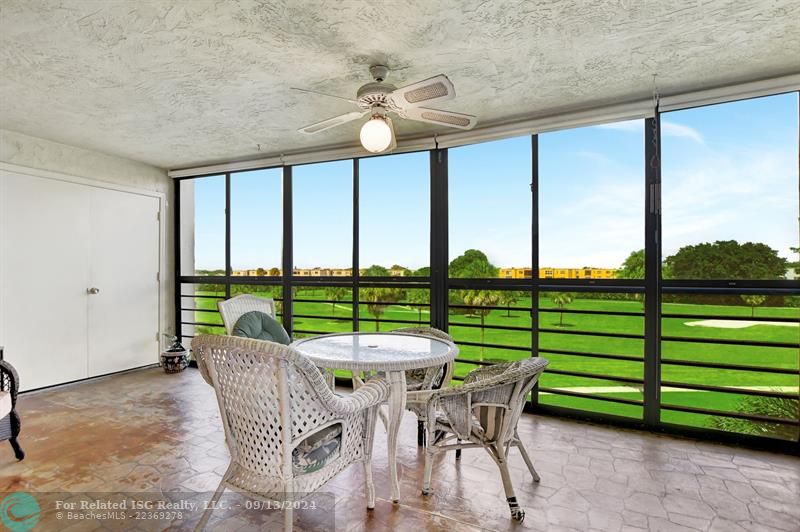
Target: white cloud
{"points": [[671, 129], [744, 196], [668, 129], [627, 125]]}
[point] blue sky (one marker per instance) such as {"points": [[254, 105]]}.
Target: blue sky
{"points": [[729, 172]]}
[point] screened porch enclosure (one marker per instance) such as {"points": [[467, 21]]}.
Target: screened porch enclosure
{"points": [[652, 261]]}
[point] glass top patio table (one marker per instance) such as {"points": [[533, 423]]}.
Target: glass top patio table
{"points": [[367, 351]]}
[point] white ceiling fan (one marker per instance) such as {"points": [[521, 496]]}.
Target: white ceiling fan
{"points": [[379, 98]]}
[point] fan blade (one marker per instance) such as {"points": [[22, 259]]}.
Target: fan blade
{"points": [[436, 89], [442, 118], [331, 122], [324, 94]]}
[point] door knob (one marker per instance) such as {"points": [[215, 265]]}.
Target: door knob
{"points": [[93, 290]]}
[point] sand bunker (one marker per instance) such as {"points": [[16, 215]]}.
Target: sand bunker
{"points": [[737, 324]]}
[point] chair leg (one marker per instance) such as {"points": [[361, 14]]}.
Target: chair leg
{"points": [[18, 452], [288, 519], [420, 433], [369, 485], [517, 513], [426, 475], [201, 525], [527, 459]]}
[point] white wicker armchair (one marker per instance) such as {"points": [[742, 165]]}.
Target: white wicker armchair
{"points": [[232, 309], [272, 399], [484, 413]]}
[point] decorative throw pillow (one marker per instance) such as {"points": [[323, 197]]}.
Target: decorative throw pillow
{"points": [[317, 450], [261, 326]]}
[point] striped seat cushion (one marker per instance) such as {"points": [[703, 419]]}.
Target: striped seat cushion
{"points": [[487, 420], [490, 419]]}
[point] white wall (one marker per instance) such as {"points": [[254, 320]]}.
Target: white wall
{"points": [[41, 156]]}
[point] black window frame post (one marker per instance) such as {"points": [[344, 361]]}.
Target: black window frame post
{"points": [[652, 255], [439, 239], [288, 251]]}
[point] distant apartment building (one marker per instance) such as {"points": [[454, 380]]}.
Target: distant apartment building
{"points": [[297, 272], [245, 273], [559, 273], [273, 272], [515, 273], [323, 272]]}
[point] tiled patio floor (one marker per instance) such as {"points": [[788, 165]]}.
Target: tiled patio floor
{"points": [[151, 432]]}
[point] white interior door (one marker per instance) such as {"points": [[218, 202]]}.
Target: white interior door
{"points": [[124, 264], [44, 253]]}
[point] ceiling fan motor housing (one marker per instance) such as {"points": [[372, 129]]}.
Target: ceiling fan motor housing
{"points": [[375, 93]]}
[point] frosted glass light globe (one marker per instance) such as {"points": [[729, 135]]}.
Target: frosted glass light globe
{"points": [[376, 135]]}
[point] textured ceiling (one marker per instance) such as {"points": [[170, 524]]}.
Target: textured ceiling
{"points": [[177, 83]]}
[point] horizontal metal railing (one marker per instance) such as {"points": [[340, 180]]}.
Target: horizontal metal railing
{"points": [[556, 390], [606, 398], [726, 413], [634, 383], [666, 361], [724, 365]]}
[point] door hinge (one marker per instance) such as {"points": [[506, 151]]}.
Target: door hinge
{"points": [[158, 276], [158, 216], [158, 336]]}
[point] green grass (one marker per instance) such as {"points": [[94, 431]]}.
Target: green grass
{"points": [[338, 318]]}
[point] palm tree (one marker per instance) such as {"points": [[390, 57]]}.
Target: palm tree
{"points": [[379, 299], [562, 299], [421, 297], [509, 298], [479, 299], [334, 295]]}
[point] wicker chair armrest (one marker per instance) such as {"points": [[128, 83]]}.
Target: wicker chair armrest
{"points": [[464, 389], [201, 365], [8, 375], [455, 407], [374, 392], [484, 373]]}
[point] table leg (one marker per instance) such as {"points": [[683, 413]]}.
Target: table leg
{"points": [[397, 406]]}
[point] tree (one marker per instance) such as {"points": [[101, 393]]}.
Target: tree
{"points": [[335, 294], [795, 264], [633, 267], [379, 298], [753, 301], [277, 294], [727, 259], [508, 298], [473, 264], [562, 299], [261, 272], [775, 407], [419, 296], [425, 271], [274, 272], [479, 299]]}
